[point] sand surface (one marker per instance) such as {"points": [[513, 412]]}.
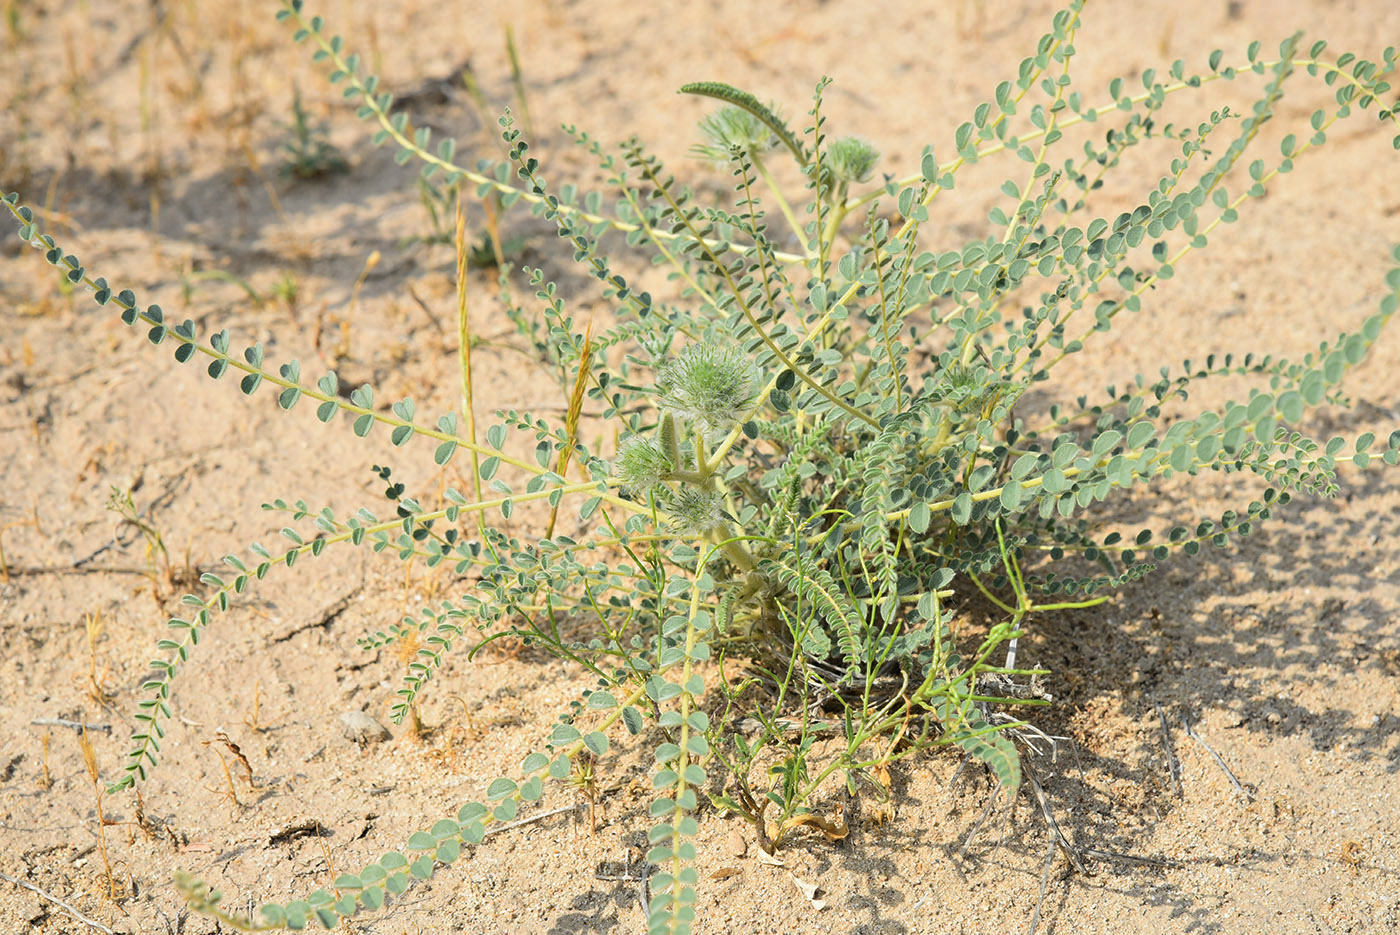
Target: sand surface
{"points": [[150, 131]]}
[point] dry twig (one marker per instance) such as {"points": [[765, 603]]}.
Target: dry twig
{"points": [[1173, 767], [91, 923], [1229, 775], [1044, 884], [534, 818], [1070, 850], [1097, 854], [986, 812], [75, 725]]}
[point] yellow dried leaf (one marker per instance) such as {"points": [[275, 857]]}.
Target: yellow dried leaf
{"points": [[834, 830]]}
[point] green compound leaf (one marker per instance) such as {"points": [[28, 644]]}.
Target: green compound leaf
{"points": [[961, 511], [564, 734], [994, 749], [746, 101], [532, 789], [501, 788], [596, 742], [560, 767], [602, 700], [444, 829]]}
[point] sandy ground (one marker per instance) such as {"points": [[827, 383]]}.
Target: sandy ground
{"points": [[150, 131]]}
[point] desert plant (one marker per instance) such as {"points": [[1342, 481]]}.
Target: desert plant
{"points": [[820, 447], [308, 153]]}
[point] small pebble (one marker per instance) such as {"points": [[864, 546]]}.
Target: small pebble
{"points": [[737, 844], [362, 729]]}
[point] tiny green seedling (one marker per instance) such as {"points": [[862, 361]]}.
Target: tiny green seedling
{"points": [[160, 572], [309, 153]]}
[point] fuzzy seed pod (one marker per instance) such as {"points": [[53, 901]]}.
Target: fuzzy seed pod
{"points": [[696, 512], [852, 159], [708, 386], [641, 465], [732, 128]]}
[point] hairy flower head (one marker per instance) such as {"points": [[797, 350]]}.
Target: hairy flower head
{"points": [[733, 128], [709, 386], [641, 465], [852, 159], [696, 512]]}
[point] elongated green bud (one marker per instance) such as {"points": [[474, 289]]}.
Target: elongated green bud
{"points": [[670, 438]]}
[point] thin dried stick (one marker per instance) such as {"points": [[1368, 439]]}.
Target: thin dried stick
{"points": [[75, 725], [1114, 855], [533, 818], [79, 570], [93, 923], [986, 812], [1173, 767], [1231, 776], [618, 877], [1044, 884], [644, 887], [1070, 850]]}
